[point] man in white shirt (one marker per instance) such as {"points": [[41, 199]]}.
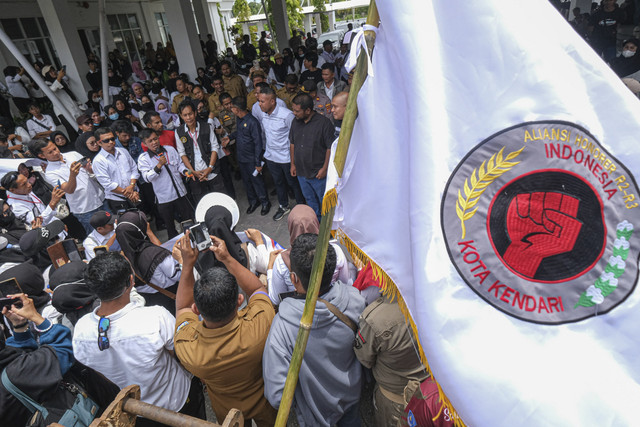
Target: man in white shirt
{"points": [[327, 52], [103, 234], [198, 147], [162, 166], [84, 195], [25, 204], [133, 344], [276, 123], [116, 172], [39, 125]]}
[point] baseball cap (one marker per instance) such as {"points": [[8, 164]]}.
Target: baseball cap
{"points": [[35, 240], [309, 86], [83, 118], [101, 218]]}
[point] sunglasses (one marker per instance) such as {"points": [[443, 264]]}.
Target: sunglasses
{"points": [[106, 140], [103, 327]]}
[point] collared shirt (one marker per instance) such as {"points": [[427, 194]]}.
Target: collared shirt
{"points": [[276, 128], [311, 141], [115, 170], [234, 85], [329, 90], [28, 207], [328, 57], [87, 196], [248, 140], [229, 359], [197, 156], [140, 341], [93, 240], [44, 124], [165, 182], [214, 103]]}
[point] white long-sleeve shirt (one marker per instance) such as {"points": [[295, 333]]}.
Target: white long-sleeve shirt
{"points": [[199, 164], [115, 170], [87, 196], [162, 182], [16, 88], [276, 129], [28, 207]]}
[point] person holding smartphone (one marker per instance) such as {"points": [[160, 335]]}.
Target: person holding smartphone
{"points": [[75, 177]]}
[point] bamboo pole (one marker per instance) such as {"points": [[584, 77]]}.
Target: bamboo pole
{"points": [[324, 233]]}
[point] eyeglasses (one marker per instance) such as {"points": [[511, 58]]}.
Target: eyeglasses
{"points": [[103, 327], [106, 140]]}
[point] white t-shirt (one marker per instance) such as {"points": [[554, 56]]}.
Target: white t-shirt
{"points": [[139, 342]]}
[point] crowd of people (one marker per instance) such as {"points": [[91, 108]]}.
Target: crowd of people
{"points": [[92, 297]]}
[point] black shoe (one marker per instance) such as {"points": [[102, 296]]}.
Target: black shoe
{"points": [[281, 213], [252, 208], [265, 209]]}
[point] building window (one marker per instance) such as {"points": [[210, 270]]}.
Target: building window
{"points": [[31, 36], [127, 35], [163, 26]]}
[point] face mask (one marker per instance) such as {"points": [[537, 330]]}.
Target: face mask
{"points": [[628, 53], [172, 62], [148, 105], [203, 114], [98, 99], [114, 116]]}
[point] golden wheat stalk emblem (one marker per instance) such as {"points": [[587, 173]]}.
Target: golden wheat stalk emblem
{"points": [[495, 167]]}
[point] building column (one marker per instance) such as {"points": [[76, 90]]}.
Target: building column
{"points": [[185, 37], [260, 26], [307, 23], [279, 13], [201, 10], [67, 43], [332, 20], [218, 29], [149, 19], [245, 28], [318, 24]]}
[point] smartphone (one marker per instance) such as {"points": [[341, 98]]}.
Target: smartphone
{"points": [[64, 68], [256, 63], [187, 224], [100, 250], [199, 235], [84, 161], [9, 287], [71, 248]]}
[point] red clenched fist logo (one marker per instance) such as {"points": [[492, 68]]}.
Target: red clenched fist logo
{"points": [[540, 225]]}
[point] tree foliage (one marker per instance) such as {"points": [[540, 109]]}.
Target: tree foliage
{"points": [[294, 14], [324, 19], [241, 10]]}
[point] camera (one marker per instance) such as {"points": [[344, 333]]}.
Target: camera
{"points": [[199, 235]]}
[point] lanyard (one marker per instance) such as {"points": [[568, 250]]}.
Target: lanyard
{"points": [[26, 200]]}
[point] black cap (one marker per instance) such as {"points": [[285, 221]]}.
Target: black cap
{"points": [[309, 86], [83, 118], [101, 218], [70, 293], [37, 239]]}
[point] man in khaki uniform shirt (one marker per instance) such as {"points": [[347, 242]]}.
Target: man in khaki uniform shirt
{"points": [[383, 344], [289, 90], [183, 93], [215, 106], [226, 117], [233, 83], [225, 349]]}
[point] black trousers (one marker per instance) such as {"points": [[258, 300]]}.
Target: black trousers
{"points": [[179, 210], [281, 173], [199, 189], [225, 171], [254, 185]]}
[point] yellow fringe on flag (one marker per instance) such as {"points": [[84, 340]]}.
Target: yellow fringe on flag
{"points": [[389, 290], [330, 200]]}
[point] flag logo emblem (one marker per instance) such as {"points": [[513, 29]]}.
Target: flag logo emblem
{"points": [[539, 220]]}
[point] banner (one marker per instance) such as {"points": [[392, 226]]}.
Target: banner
{"points": [[491, 178]]}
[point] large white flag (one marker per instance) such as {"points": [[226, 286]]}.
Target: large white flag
{"points": [[491, 176]]}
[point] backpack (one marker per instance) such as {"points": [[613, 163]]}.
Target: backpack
{"points": [[82, 408]]}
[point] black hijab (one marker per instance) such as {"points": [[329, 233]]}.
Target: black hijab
{"points": [[66, 147], [218, 220], [31, 282], [143, 255], [81, 146]]}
